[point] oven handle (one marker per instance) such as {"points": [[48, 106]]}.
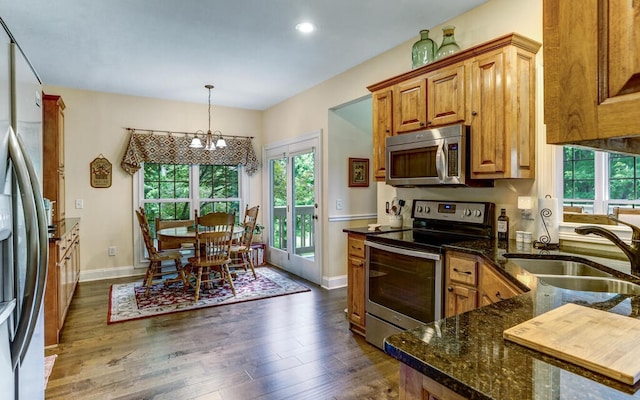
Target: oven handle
{"points": [[404, 251]]}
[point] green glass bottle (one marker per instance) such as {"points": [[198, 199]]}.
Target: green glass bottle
{"points": [[449, 45], [423, 51]]}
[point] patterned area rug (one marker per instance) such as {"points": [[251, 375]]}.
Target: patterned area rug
{"points": [[48, 367], [127, 301]]}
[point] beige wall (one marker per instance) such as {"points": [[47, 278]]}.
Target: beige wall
{"points": [[94, 125], [308, 111], [95, 122]]}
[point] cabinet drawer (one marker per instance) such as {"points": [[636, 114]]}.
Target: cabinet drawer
{"points": [[356, 246], [463, 269]]}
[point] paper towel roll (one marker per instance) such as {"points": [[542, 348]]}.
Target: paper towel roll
{"points": [[548, 221]]}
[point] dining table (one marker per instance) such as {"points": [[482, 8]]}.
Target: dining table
{"points": [[183, 234]]}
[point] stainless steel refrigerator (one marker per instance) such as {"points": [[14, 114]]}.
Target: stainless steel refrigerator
{"points": [[23, 227]]}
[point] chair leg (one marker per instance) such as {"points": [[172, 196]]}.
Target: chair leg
{"points": [[151, 272], [249, 260], [227, 276], [198, 279]]}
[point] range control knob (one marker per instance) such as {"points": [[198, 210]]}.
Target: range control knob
{"points": [[419, 209], [427, 210], [467, 212], [477, 213]]}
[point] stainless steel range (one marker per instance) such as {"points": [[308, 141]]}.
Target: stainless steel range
{"points": [[404, 272]]}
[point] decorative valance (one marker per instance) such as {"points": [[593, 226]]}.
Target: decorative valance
{"points": [[169, 149]]}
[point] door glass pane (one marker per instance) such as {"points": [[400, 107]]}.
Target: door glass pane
{"points": [[304, 199], [278, 172]]}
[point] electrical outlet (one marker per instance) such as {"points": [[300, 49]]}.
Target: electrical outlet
{"points": [[112, 250], [339, 204], [79, 203]]}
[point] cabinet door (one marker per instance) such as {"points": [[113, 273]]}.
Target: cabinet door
{"points": [[592, 73], [62, 291], [446, 96], [356, 291], [493, 287], [460, 299], [382, 129], [488, 136], [410, 105], [620, 65]]}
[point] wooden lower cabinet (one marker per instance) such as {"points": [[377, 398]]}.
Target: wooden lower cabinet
{"points": [[62, 278], [494, 288], [415, 386], [471, 282], [356, 283]]}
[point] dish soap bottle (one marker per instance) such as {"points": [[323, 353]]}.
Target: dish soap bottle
{"points": [[503, 226]]}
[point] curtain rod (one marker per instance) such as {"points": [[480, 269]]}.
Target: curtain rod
{"points": [[184, 133]]}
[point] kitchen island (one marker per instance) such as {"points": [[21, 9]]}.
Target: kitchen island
{"points": [[467, 355]]}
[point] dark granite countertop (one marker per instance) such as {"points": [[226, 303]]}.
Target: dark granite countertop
{"points": [[60, 228], [467, 353]]}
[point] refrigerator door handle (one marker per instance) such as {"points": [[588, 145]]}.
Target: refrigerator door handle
{"points": [[37, 251]]}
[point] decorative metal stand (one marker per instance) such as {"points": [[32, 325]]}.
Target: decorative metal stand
{"points": [[544, 241]]}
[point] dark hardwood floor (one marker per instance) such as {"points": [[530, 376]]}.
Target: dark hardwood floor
{"points": [[290, 347]]}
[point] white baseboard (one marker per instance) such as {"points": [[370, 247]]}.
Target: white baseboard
{"points": [[334, 282], [110, 273]]}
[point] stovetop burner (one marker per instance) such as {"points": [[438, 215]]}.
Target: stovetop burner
{"points": [[437, 223]]}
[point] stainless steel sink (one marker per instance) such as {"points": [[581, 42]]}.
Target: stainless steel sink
{"points": [[558, 267], [591, 284]]}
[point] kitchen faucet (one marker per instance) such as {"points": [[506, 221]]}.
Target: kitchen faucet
{"points": [[631, 251]]}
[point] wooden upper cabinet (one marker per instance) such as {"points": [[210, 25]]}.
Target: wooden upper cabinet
{"points": [[410, 105], [592, 73], [53, 181], [382, 129], [490, 87], [502, 117], [446, 96]]}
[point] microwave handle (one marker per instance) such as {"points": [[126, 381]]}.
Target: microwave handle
{"points": [[440, 162]]}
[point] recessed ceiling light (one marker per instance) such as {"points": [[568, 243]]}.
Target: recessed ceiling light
{"points": [[306, 27]]}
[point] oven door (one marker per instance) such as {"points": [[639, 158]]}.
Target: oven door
{"points": [[403, 289]]}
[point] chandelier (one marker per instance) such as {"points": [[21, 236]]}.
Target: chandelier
{"points": [[212, 140]]}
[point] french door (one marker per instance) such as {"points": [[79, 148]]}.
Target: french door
{"points": [[293, 183]]}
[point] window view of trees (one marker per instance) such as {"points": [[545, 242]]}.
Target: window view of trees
{"points": [[168, 188], [619, 179]]}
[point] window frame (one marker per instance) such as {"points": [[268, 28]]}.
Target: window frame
{"points": [[194, 200], [600, 203]]}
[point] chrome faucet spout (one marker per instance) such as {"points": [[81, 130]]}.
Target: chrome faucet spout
{"points": [[632, 251]]}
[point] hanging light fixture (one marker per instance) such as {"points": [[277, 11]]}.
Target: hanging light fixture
{"points": [[210, 142]]}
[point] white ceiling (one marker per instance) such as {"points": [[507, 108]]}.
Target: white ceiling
{"points": [[248, 49]]}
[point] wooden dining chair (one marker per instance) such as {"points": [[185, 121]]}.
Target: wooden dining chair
{"points": [[241, 251], [156, 258], [214, 235]]}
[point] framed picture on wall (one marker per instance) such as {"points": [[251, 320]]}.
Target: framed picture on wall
{"points": [[358, 172]]}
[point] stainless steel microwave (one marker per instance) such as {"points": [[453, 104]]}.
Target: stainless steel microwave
{"points": [[434, 157]]}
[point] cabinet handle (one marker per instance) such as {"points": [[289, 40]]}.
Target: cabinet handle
{"points": [[474, 113], [387, 130], [361, 264], [462, 272], [357, 248], [422, 123], [67, 258], [450, 289], [428, 122], [498, 296]]}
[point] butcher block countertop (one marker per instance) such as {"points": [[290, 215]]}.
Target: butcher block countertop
{"points": [[468, 354]]}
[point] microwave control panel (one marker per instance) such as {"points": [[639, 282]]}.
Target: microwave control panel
{"points": [[453, 164], [469, 212]]}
